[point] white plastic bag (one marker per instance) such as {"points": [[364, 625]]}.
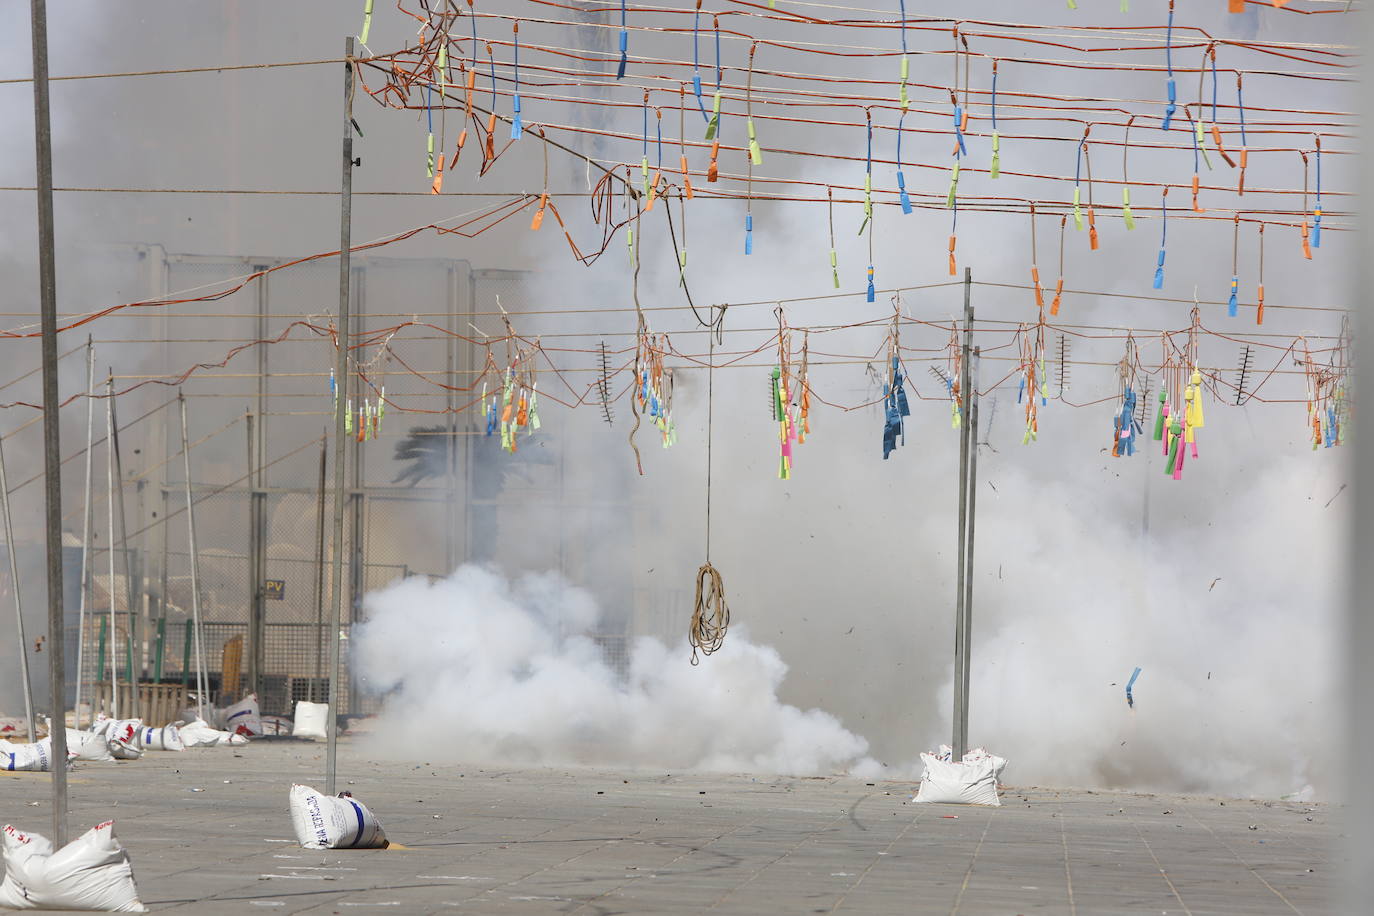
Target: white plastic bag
{"points": [[91, 872], [972, 782], [167, 738], [243, 718], [333, 822], [311, 720], [198, 734], [32, 758]]}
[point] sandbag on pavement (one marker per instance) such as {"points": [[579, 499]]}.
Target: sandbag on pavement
{"points": [[333, 822], [971, 782], [87, 746], [311, 720], [199, 734], [91, 872], [167, 738], [243, 718], [32, 758]]}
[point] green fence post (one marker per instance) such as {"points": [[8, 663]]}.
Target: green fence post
{"points": [[186, 657], [100, 653], [161, 645]]}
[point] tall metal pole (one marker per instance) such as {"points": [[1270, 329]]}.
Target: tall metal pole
{"points": [[87, 522], [319, 568], [960, 740], [135, 649], [968, 534], [255, 574], [18, 601], [195, 564], [52, 450], [110, 544], [341, 373]]}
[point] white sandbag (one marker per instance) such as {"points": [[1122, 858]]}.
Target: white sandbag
{"points": [[121, 736], [311, 720], [965, 783], [31, 758], [167, 738], [333, 822], [91, 872], [87, 746], [244, 717], [198, 734]]}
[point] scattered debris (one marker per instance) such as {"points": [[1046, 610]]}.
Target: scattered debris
{"points": [[1130, 700], [1333, 498]]}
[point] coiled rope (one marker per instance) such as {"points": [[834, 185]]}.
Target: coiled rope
{"points": [[710, 612]]}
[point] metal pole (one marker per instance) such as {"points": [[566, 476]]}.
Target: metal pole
{"points": [[960, 740], [52, 451], [87, 521], [135, 650], [319, 569], [110, 544], [18, 601], [972, 518], [254, 572], [341, 372], [195, 564]]}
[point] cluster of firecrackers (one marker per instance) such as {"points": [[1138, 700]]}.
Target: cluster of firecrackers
{"points": [[1034, 389], [895, 406], [1126, 428], [1179, 417], [654, 386], [1328, 409], [791, 399], [366, 422], [513, 408], [950, 377]]}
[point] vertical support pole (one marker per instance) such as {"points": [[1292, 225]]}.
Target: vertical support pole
{"points": [[196, 634], [319, 570], [451, 444], [87, 521], [110, 544], [959, 742], [255, 571], [18, 601], [971, 520], [341, 373], [357, 562], [257, 659], [52, 451], [133, 650]]}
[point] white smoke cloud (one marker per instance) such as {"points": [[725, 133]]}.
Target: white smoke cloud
{"points": [[482, 668]]}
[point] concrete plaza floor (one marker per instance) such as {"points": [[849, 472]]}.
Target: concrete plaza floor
{"points": [[209, 833]]}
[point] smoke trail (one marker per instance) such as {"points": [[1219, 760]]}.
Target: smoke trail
{"points": [[485, 669]]}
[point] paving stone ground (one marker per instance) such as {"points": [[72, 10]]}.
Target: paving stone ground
{"points": [[209, 833]]}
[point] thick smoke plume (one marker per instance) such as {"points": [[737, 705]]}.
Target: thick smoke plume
{"points": [[481, 668]]}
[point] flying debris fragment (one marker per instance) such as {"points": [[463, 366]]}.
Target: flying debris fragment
{"points": [[1130, 700]]}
